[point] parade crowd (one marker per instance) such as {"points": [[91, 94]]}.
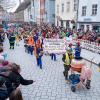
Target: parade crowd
{"points": [[33, 37]]}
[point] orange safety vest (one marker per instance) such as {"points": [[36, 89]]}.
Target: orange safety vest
{"points": [[38, 43], [30, 41]]}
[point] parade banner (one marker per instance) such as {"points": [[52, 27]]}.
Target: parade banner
{"points": [[57, 46], [91, 46], [85, 44]]}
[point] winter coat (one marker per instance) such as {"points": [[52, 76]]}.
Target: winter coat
{"points": [[14, 80]]}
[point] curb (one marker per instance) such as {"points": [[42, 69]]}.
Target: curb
{"points": [[90, 61]]}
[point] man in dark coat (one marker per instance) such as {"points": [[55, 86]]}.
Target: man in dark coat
{"points": [[12, 41], [13, 80]]}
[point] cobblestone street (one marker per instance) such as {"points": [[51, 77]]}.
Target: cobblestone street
{"points": [[50, 83]]}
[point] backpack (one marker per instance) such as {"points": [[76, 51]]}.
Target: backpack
{"points": [[74, 78], [3, 89]]}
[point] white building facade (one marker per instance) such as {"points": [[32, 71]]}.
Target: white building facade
{"points": [[41, 11], [38, 11], [50, 11], [66, 13], [27, 14], [35, 11], [89, 15], [23, 11], [6, 16]]}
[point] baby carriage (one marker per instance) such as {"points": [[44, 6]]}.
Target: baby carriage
{"points": [[80, 74]]}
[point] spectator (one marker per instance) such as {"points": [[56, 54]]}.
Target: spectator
{"points": [[12, 41], [14, 79], [39, 54], [1, 56]]}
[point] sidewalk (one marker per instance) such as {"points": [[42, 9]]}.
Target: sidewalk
{"points": [[89, 55]]}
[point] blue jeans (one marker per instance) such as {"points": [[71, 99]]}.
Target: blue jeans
{"points": [[39, 62], [53, 56], [30, 50], [3, 94]]}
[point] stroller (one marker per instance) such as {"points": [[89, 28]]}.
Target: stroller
{"points": [[80, 74]]}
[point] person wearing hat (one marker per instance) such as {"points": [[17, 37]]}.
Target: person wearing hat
{"points": [[30, 45], [70, 52], [77, 51], [12, 41], [39, 54], [67, 62]]}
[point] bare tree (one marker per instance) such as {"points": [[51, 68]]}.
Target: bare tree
{"points": [[7, 4]]}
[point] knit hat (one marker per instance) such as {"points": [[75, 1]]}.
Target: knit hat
{"points": [[70, 44], [78, 43], [4, 63]]}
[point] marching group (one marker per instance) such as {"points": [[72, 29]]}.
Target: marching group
{"points": [[33, 38], [34, 43]]}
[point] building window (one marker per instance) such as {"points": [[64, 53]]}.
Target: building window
{"points": [[84, 11], [96, 28], [31, 17], [68, 6], [61, 23], [67, 24], [75, 5], [33, 3], [53, 15], [94, 9], [62, 8], [82, 27], [57, 9]]}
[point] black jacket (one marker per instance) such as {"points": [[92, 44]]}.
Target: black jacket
{"points": [[14, 80], [12, 39]]}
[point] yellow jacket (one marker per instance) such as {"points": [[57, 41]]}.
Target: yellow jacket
{"points": [[17, 38], [67, 60]]}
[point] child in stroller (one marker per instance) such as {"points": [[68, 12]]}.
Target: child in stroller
{"points": [[80, 73], [83, 75]]}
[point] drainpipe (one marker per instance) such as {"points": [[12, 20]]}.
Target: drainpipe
{"points": [[77, 13]]}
